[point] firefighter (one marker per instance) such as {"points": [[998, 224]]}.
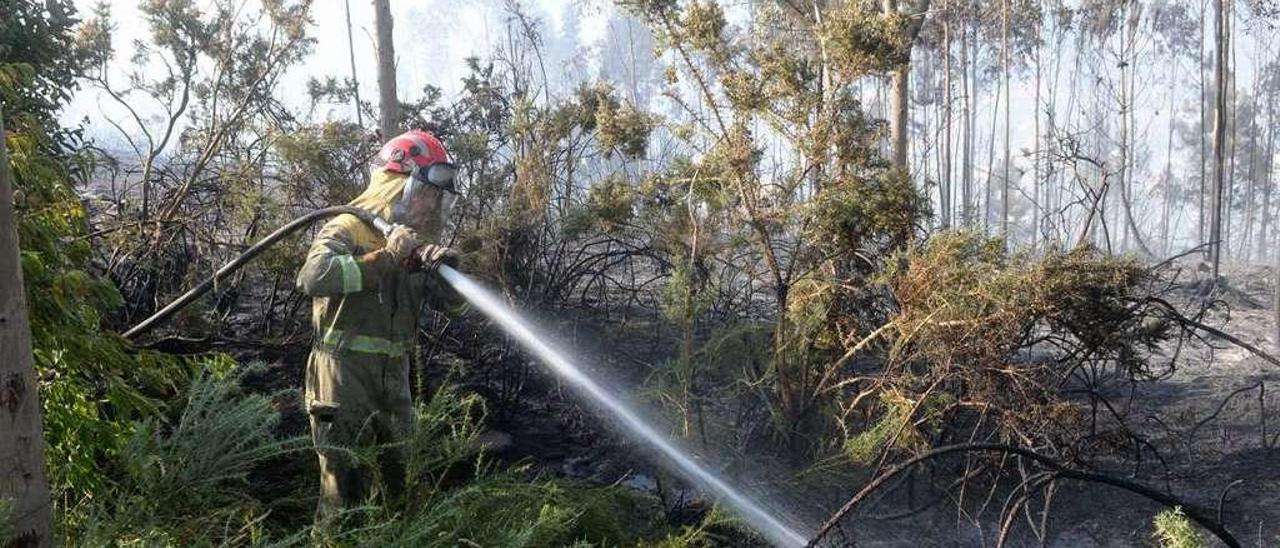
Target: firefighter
{"points": [[367, 291]]}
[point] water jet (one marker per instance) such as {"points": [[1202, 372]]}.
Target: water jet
{"points": [[493, 307]]}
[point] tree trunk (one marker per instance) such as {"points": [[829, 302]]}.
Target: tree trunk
{"points": [[1037, 202], [946, 145], [1250, 200], [388, 102], [1233, 126], [1268, 182], [898, 123], [22, 478], [1004, 62], [1165, 244], [1204, 179], [899, 98], [991, 163], [351, 54], [1073, 93], [1232, 135], [1219, 134], [1101, 140], [1128, 95], [966, 162], [900, 101], [1123, 97]]}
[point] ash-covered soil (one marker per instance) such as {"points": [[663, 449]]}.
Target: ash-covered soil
{"points": [[1212, 423], [1215, 421]]}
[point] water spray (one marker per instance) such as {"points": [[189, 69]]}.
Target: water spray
{"points": [[753, 513], [493, 307]]}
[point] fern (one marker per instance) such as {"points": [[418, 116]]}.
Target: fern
{"points": [[188, 480]]}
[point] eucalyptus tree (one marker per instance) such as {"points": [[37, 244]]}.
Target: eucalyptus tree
{"points": [[901, 108], [388, 98], [24, 495], [1270, 85], [1222, 38], [1174, 28]]}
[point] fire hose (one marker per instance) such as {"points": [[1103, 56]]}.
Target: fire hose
{"points": [[378, 223]]}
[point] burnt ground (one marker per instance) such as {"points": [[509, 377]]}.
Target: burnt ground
{"points": [[1213, 424], [1214, 420], [1206, 420]]}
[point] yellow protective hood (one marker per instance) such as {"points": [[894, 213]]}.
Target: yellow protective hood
{"points": [[383, 193], [380, 199]]}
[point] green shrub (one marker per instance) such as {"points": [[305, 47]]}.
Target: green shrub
{"points": [[186, 481], [969, 330], [6, 508], [1174, 530], [505, 509]]}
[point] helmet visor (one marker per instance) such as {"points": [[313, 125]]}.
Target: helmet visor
{"points": [[442, 174]]}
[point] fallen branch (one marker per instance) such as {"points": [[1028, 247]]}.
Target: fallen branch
{"points": [[1188, 322], [1060, 470]]}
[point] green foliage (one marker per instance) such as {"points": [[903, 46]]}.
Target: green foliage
{"points": [[90, 378], [91, 383], [683, 296], [624, 128], [496, 507], [6, 508], [650, 8], [734, 158], [324, 164], [619, 126], [1174, 530], [969, 317], [186, 481], [807, 196], [864, 447], [877, 213], [863, 41], [737, 351], [507, 509], [702, 24], [717, 528], [975, 303], [609, 207], [903, 422], [38, 68]]}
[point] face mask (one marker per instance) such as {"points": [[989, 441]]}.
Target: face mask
{"points": [[440, 175]]}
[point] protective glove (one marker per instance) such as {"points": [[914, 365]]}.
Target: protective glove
{"points": [[401, 242], [399, 250], [431, 256]]}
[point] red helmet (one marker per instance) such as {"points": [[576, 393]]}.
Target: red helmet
{"points": [[413, 148]]}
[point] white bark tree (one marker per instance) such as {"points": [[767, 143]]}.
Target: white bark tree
{"points": [[388, 101], [1221, 41], [22, 477], [900, 100]]}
